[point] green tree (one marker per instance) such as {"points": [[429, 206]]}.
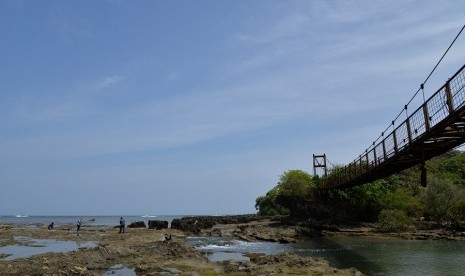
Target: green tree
{"points": [[296, 184], [395, 196], [403, 199], [450, 165], [289, 196], [267, 205], [360, 202], [394, 221], [442, 199]]}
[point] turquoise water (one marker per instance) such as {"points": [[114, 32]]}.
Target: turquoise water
{"points": [[372, 256]]}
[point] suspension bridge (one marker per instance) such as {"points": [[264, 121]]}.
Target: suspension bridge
{"points": [[434, 128]]}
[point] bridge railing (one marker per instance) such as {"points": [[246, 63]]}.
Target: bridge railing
{"points": [[450, 97]]}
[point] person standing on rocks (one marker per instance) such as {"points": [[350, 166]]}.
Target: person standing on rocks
{"points": [[122, 225], [78, 225]]}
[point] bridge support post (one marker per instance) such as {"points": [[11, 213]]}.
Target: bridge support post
{"points": [[426, 116], [319, 161], [450, 100], [409, 131], [368, 161], [384, 151], [375, 155], [361, 165]]}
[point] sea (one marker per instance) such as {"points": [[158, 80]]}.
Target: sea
{"points": [[37, 221]]}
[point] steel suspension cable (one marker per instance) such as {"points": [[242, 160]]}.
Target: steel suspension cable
{"points": [[423, 84]]}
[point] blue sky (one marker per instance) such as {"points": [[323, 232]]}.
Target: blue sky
{"points": [[196, 107]]}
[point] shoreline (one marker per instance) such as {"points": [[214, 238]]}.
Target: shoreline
{"points": [[285, 229], [144, 252]]}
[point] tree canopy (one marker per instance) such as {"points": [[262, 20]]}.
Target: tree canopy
{"points": [[397, 199]]}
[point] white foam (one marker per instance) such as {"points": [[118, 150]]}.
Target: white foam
{"points": [[21, 216], [213, 247]]}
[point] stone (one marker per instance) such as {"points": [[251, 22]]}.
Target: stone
{"points": [[197, 223], [137, 224], [158, 224]]}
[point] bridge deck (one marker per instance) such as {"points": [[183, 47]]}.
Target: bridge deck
{"points": [[434, 128]]}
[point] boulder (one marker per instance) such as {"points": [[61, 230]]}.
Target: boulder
{"points": [[158, 224], [196, 223], [137, 224]]}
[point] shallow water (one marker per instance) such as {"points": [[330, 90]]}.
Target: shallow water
{"points": [[30, 247], [220, 249], [376, 256], [372, 256], [120, 270]]}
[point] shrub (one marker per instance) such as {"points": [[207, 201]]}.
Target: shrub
{"points": [[394, 221], [442, 199], [267, 205]]}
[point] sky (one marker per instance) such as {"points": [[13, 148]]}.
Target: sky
{"points": [[184, 107]]}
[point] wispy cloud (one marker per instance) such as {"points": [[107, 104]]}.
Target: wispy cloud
{"points": [[243, 103], [312, 87], [108, 82], [288, 92], [71, 28]]}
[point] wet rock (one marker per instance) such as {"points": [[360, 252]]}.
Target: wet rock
{"points": [[158, 224], [137, 224], [142, 253], [4, 256], [197, 223]]}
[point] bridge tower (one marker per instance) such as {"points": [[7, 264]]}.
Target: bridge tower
{"points": [[319, 162]]}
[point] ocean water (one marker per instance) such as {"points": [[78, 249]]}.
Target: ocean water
{"points": [[86, 220]]}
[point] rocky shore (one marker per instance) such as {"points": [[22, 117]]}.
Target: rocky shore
{"points": [[144, 251], [284, 229]]}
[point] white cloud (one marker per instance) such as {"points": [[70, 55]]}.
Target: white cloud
{"points": [[299, 77], [108, 82]]}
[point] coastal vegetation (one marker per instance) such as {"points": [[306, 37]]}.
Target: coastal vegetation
{"points": [[397, 202]]}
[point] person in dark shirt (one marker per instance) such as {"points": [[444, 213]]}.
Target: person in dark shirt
{"points": [[122, 225], [78, 225]]}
